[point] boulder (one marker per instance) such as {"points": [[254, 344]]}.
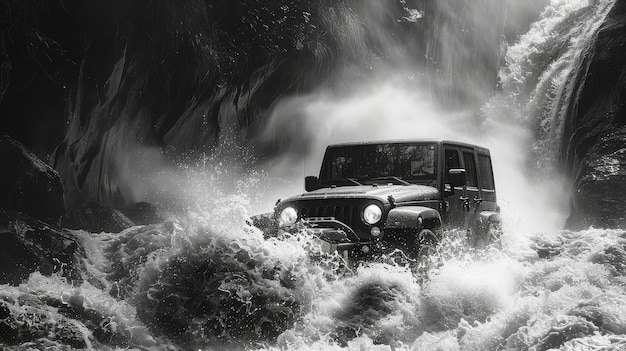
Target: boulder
{"points": [[95, 218], [28, 185], [143, 213], [30, 245], [599, 196]]}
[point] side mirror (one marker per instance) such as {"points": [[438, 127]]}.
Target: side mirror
{"points": [[311, 183], [457, 177]]}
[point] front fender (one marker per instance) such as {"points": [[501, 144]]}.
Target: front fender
{"points": [[406, 217]]}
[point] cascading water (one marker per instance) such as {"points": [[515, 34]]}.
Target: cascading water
{"points": [[206, 279], [538, 78]]}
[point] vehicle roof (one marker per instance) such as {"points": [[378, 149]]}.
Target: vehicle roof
{"points": [[417, 140]]}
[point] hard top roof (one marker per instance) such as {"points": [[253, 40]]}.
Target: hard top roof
{"points": [[417, 140]]}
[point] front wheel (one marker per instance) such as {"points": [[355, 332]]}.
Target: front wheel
{"points": [[427, 242]]}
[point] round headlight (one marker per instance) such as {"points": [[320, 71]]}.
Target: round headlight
{"points": [[372, 214], [288, 216]]}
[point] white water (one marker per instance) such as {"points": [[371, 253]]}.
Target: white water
{"points": [[233, 289], [540, 288]]}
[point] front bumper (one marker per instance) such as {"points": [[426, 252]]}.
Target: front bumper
{"points": [[335, 236], [348, 249]]}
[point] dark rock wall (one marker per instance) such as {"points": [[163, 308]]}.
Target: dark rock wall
{"points": [[39, 47], [594, 142], [192, 78], [29, 245], [29, 185]]}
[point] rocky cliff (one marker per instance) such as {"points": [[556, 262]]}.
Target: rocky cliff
{"points": [[594, 140]]}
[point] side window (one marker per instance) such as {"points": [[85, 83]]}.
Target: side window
{"points": [[486, 173], [470, 168], [452, 161]]}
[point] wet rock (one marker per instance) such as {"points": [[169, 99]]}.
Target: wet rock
{"points": [[46, 322], [29, 185], [70, 334], [9, 329], [143, 213], [600, 191], [96, 219], [29, 245], [594, 139], [613, 257]]}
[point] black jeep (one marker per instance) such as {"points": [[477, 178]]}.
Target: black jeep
{"points": [[373, 196]]}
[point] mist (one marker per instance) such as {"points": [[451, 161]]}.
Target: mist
{"points": [[146, 174], [304, 126], [515, 113], [445, 96]]}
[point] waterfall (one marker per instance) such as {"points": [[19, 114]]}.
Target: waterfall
{"points": [[541, 69]]}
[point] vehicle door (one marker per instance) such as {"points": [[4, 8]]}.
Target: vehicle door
{"points": [[486, 203], [455, 213], [474, 193]]}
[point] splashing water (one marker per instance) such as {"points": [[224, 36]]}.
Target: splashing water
{"points": [[207, 279], [210, 281]]}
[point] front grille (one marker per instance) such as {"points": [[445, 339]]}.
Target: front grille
{"points": [[348, 212]]}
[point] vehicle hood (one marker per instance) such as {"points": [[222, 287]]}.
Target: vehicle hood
{"points": [[400, 193]]}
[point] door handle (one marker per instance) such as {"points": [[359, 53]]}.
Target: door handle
{"points": [[478, 200]]}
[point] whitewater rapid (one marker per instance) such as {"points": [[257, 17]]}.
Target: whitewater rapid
{"points": [[208, 280]]}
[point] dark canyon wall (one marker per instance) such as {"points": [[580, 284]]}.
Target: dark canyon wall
{"points": [[594, 141]]}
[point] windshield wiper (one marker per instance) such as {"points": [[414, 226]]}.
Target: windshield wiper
{"points": [[354, 181], [399, 180]]}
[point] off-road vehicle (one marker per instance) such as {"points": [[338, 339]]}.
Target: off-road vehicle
{"points": [[372, 196]]}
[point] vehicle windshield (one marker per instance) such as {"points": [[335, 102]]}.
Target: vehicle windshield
{"points": [[375, 163]]}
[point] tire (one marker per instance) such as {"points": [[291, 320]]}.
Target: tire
{"points": [[427, 241]]}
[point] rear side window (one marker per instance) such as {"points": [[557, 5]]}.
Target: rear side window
{"points": [[486, 173], [470, 168]]}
